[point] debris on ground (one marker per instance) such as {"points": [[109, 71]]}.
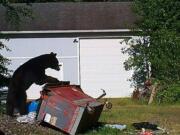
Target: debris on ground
{"points": [[32, 113], [116, 126], [145, 125], [148, 128], [144, 132], [29, 118], [12, 127]]}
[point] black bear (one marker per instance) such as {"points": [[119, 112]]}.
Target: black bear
{"points": [[33, 71]]}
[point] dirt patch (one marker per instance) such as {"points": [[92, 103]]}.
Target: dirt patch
{"points": [[12, 127]]}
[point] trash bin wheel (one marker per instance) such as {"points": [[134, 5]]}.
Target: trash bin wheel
{"points": [[108, 105]]}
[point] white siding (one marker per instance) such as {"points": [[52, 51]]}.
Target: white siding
{"points": [[101, 67]]}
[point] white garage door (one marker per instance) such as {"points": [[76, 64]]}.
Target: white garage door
{"points": [[101, 67]]}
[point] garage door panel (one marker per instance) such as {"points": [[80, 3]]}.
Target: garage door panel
{"points": [[101, 64], [108, 59], [99, 52]]}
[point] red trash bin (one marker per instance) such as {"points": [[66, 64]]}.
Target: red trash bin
{"points": [[67, 108]]}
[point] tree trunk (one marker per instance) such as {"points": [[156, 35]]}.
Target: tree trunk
{"points": [[153, 93]]}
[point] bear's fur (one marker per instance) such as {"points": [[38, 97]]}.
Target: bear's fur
{"points": [[33, 71]]}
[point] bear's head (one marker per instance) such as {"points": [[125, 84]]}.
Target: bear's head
{"points": [[53, 61]]}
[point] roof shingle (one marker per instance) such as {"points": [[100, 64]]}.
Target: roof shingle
{"points": [[76, 16]]}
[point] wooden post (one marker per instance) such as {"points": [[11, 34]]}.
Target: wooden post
{"points": [[153, 93]]}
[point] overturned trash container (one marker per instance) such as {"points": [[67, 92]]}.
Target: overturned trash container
{"points": [[69, 109]]}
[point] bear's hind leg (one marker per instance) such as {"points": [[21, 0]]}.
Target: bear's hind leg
{"points": [[22, 104], [10, 103], [9, 109]]}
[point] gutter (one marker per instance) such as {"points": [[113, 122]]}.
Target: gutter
{"points": [[66, 33]]}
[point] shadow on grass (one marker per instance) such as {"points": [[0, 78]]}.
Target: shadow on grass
{"points": [[101, 129]]}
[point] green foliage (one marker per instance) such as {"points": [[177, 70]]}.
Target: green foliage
{"points": [[169, 95], [15, 14], [4, 72], [4, 61], [138, 60], [165, 58], [159, 45]]}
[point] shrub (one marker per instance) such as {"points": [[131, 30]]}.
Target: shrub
{"points": [[169, 95]]}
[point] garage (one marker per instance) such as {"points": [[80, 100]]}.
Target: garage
{"points": [[87, 45]]}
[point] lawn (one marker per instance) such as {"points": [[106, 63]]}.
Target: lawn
{"points": [[124, 111]]}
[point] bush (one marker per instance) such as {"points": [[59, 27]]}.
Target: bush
{"points": [[169, 95]]}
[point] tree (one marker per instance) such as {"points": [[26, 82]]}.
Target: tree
{"points": [[3, 69], [14, 16], [159, 46]]}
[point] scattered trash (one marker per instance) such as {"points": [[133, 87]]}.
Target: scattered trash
{"points": [[32, 113], [33, 106], [153, 127], [144, 132], [116, 126], [30, 118], [161, 132], [145, 125]]}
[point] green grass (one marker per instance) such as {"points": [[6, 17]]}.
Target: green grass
{"points": [[126, 111]]}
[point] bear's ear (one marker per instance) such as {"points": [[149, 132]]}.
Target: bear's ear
{"points": [[53, 53]]}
